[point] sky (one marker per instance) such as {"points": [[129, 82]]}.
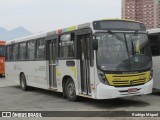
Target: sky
{"points": [[45, 15]]}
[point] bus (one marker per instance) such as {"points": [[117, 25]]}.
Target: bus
{"points": [[101, 59], [154, 38], [2, 58]]}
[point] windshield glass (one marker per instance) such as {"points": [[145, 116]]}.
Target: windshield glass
{"points": [[2, 51], [123, 51]]}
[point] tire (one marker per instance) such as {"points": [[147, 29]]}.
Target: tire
{"points": [[23, 83], [70, 90]]}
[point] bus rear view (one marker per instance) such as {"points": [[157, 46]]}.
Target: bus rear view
{"points": [[2, 58]]}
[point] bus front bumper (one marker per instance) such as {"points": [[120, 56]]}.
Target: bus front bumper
{"points": [[108, 92]]}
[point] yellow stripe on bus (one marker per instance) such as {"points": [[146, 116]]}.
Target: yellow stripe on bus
{"points": [[128, 79], [58, 74], [73, 69]]}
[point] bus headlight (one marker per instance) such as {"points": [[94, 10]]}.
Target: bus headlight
{"points": [[151, 75], [102, 77]]}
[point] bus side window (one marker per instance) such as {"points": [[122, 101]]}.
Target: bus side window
{"points": [[31, 50], [8, 53], [15, 52], [41, 49], [66, 46], [155, 43], [22, 51], [2, 50]]}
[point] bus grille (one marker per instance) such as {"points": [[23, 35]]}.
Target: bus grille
{"points": [[119, 80]]}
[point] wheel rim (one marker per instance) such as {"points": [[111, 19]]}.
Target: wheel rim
{"points": [[71, 89]]}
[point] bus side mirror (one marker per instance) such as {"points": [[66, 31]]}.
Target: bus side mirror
{"points": [[95, 44]]}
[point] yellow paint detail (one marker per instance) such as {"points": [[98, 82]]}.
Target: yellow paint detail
{"points": [[87, 96], [138, 47], [58, 74], [73, 69], [128, 79], [72, 28]]}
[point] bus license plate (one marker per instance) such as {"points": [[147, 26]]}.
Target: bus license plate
{"points": [[132, 90]]}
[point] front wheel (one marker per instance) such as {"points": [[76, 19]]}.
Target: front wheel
{"points": [[23, 83], [70, 90]]}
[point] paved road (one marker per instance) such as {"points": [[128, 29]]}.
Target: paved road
{"points": [[12, 98], [5, 83]]}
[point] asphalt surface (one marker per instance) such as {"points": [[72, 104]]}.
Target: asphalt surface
{"points": [[12, 98]]}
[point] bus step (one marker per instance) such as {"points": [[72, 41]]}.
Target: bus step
{"points": [[84, 95], [53, 89]]}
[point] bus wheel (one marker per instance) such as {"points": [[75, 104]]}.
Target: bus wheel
{"points": [[70, 90], [23, 82]]}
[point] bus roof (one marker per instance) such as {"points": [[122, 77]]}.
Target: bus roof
{"points": [[154, 31], [44, 34], [59, 31], [123, 20], [2, 42], [30, 37]]}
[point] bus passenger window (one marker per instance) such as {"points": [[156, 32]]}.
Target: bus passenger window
{"points": [[41, 49], [155, 45], [22, 51], [31, 50], [2, 51], [15, 52], [8, 53], [66, 46]]}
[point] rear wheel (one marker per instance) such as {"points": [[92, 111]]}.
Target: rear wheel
{"points": [[23, 83], [70, 90]]}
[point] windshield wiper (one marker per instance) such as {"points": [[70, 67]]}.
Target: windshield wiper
{"points": [[125, 41], [133, 50], [127, 51], [117, 36]]}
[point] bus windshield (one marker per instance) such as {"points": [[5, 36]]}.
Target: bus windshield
{"points": [[2, 51], [123, 51]]}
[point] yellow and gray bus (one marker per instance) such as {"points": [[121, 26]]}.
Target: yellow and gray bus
{"points": [[100, 60]]}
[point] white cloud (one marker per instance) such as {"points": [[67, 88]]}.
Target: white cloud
{"points": [[15, 3], [41, 15]]}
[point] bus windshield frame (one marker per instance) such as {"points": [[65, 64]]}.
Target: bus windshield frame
{"points": [[130, 56]]}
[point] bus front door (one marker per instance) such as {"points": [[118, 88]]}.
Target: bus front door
{"points": [[52, 64], [84, 46]]}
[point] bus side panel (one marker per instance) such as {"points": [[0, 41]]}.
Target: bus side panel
{"points": [[97, 81], [34, 71], [41, 74], [2, 65], [26, 67], [92, 82], [14, 69], [10, 71], [156, 72], [64, 70]]}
